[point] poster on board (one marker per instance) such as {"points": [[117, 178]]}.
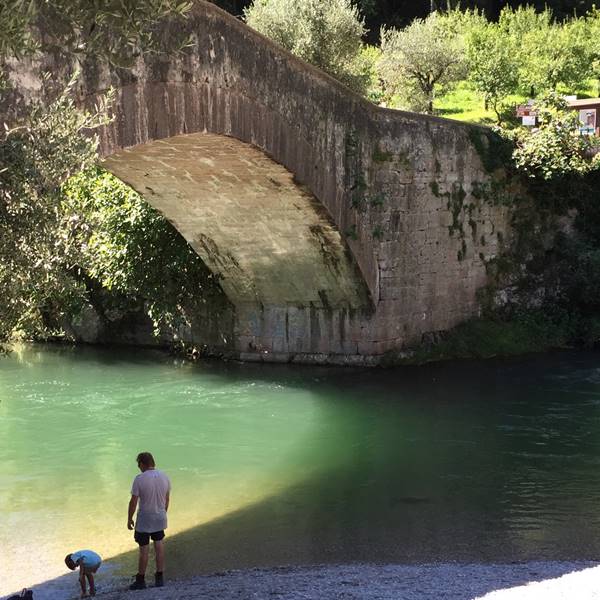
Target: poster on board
{"points": [[528, 120], [587, 118]]}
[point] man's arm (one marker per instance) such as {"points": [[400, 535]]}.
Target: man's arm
{"points": [[167, 498], [132, 506]]}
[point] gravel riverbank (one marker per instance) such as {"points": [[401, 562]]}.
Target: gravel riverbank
{"points": [[521, 581]]}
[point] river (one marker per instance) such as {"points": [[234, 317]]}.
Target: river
{"points": [[272, 465]]}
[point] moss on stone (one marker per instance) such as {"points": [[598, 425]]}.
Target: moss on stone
{"points": [[529, 331], [473, 226], [377, 201], [494, 151], [351, 232], [380, 156], [377, 232]]}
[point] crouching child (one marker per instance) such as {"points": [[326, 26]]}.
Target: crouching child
{"points": [[88, 562]]}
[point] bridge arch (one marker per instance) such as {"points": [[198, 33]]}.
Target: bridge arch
{"points": [[392, 236]]}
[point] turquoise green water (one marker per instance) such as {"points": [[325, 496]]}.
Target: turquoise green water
{"points": [[277, 465]]}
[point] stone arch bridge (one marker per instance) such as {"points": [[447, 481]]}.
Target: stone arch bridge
{"points": [[339, 231]]}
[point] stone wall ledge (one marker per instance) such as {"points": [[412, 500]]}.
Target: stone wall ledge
{"points": [[341, 360]]}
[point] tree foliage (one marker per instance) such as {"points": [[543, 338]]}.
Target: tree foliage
{"points": [[493, 66], [593, 27], [557, 55], [36, 158], [128, 248], [418, 59], [39, 263], [526, 53], [116, 29], [393, 13], [325, 34]]}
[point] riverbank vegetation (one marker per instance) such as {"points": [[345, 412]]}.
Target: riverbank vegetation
{"points": [[67, 229], [73, 235]]}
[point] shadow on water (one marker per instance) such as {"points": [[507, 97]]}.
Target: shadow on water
{"points": [[252, 537]]}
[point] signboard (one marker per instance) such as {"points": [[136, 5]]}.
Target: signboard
{"points": [[526, 110], [528, 120], [587, 118], [523, 110]]}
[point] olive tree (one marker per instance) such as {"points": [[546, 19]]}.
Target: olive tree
{"points": [[419, 59], [493, 65], [325, 33], [593, 34], [36, 157], [116, 29], [549, 54]]}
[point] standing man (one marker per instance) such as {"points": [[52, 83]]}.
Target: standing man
{"points": [[152, 488]]}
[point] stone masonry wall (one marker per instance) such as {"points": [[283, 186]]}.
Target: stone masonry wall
{"points": [[404, 191]]}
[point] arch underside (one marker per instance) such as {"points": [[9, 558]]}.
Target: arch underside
{"points": [[268, 240]]}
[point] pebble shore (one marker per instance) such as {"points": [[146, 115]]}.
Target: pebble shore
{"points": [[520, 581]]}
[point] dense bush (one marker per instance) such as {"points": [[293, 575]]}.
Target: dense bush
{"points": [[554, 148], [36, 158], [126, 246], [52, 142]]}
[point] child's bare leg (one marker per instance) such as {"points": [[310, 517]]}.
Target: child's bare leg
{"points": [[82, 581], [90, 578]]}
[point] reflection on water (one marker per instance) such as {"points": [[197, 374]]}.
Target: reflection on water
{"points": [[274, 465]]}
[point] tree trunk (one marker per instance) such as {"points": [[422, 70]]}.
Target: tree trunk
{"points": [[498, 115]]}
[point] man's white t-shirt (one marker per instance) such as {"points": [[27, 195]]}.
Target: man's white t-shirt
{"points": [[151, 487]]}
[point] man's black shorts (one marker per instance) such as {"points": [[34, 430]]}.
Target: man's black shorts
{"points": [[143, 538]]}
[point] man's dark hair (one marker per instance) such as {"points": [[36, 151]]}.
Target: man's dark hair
{"points": [[146, 459]]}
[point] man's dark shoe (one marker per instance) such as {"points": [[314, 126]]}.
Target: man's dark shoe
{"points": [[158, 580], [139, 583]]}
